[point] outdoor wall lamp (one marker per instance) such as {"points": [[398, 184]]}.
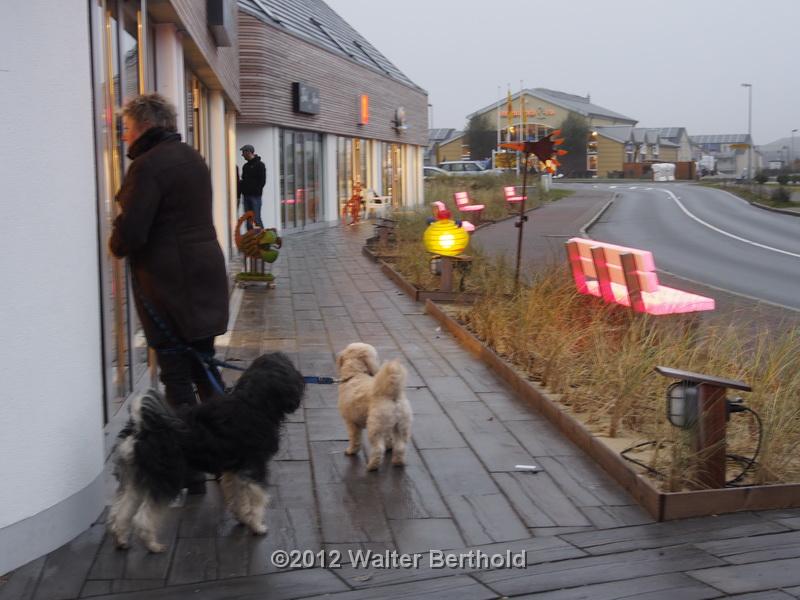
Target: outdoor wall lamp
{"points": [[682, 404]]}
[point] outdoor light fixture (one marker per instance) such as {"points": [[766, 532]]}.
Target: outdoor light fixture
{"points": [[697, 402], [682, 404], [444, 237]]}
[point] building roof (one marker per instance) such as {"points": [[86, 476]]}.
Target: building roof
{"points": [[639, 135], [725, 138], [671, 133], [577, 104], [315, 21], [619, 133], [438, 135]]}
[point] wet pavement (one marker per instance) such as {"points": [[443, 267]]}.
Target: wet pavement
{"points": [[578, 534]]}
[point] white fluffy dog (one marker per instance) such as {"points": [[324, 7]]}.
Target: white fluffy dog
{"points": [[373, 397]]}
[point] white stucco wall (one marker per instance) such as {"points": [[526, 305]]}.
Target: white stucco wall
{"points": [[51, 429]]}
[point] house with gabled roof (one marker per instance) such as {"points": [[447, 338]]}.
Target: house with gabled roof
{"points": [[622, 144], [730, 151], [532, 113]]}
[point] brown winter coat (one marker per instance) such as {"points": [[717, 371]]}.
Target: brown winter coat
{"points": [[166, 229]]}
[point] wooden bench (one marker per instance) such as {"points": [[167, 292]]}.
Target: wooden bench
{"points": [[627, 276], [511, 196]]}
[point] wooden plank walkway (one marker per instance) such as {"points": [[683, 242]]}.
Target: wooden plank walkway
{"points": [[583, 536]]}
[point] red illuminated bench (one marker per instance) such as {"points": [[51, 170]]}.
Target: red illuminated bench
{"points": [[627, 276]]}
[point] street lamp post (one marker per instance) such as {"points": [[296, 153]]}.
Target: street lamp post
{"points": [[791, 162], [749, 87]]}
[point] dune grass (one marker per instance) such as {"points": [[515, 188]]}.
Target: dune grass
{"points": [[598, 361]]}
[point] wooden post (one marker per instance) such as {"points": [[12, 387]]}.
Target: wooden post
{"points": [[710, 435], [446, 283]]}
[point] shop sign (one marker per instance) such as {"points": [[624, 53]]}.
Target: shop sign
{"points": [[363, 109], [540, 113], [306, 98]]}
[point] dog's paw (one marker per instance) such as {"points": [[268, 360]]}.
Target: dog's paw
{"points": [[259, 529], [121, 544], [351, 451], [398, 462], [156, 547], [373, 465], [120, 541]]}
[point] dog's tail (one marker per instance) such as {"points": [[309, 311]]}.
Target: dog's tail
{"points": [[389, 380], [150, 447]]}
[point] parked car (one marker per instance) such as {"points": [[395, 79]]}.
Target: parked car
{"points": [[430, 172], [467, 167]]}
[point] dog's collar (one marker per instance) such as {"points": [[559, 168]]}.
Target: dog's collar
{"points": [[346, 379]]}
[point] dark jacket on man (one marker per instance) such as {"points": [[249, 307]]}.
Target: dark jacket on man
{"points": [[166, 229], [254, 177]]}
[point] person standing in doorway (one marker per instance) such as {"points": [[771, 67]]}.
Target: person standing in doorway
{"points": [[166, 230], [251, 185]]}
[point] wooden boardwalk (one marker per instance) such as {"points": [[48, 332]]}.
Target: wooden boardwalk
{"points": [[582, 535]]}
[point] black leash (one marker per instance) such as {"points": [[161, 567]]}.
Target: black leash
{"points": [[206, 361]]}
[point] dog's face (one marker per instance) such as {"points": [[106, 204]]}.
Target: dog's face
{"points": [[356, 359], [273, 383]]}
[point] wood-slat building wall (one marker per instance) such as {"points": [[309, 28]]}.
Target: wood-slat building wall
{"points": [[271, 60], [224, 61]]}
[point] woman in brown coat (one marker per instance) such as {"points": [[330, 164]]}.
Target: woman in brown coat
{"points": [[166, 230]]}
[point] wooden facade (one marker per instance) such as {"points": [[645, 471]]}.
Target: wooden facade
{"points": [[453, 149], [610, 156], [216, 66], [272, 60]]}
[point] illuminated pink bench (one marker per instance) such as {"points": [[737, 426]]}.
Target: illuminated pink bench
{"points": [[439, 206], [627, 276], [464, 205], [512, 197]]}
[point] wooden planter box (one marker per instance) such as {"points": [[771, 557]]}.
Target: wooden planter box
{"points": [[663, 506]]}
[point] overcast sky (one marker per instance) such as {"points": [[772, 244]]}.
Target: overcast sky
{"points": [[677, 63]]}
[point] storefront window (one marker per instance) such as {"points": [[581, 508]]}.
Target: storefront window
{"points": [[352, 165], [300, 178], [196, 114], [117, 76]]}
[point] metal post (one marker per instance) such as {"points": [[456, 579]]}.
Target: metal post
{"points": [[749, 87], [791, 163], [522, 217], [710, 435]]}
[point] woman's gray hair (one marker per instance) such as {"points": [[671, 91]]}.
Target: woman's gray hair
{"points": [[151, 110]]}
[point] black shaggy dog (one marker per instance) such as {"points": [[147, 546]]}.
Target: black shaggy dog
{"points": [[234, 435]]}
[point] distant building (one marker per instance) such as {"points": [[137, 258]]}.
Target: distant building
{"points": [[621, 145], [730, 152], [437, 137], [533, 113]]}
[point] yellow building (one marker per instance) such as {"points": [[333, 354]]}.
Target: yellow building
{"points": [[533, 113], [621, 145]]}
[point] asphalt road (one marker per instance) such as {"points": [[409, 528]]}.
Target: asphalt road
{"points": [[709, 236]]}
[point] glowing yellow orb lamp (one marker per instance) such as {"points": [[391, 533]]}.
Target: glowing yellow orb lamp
{"points": [[444, 237]]}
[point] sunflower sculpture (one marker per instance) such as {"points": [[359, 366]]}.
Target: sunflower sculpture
{"points": [[258, 246]]}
